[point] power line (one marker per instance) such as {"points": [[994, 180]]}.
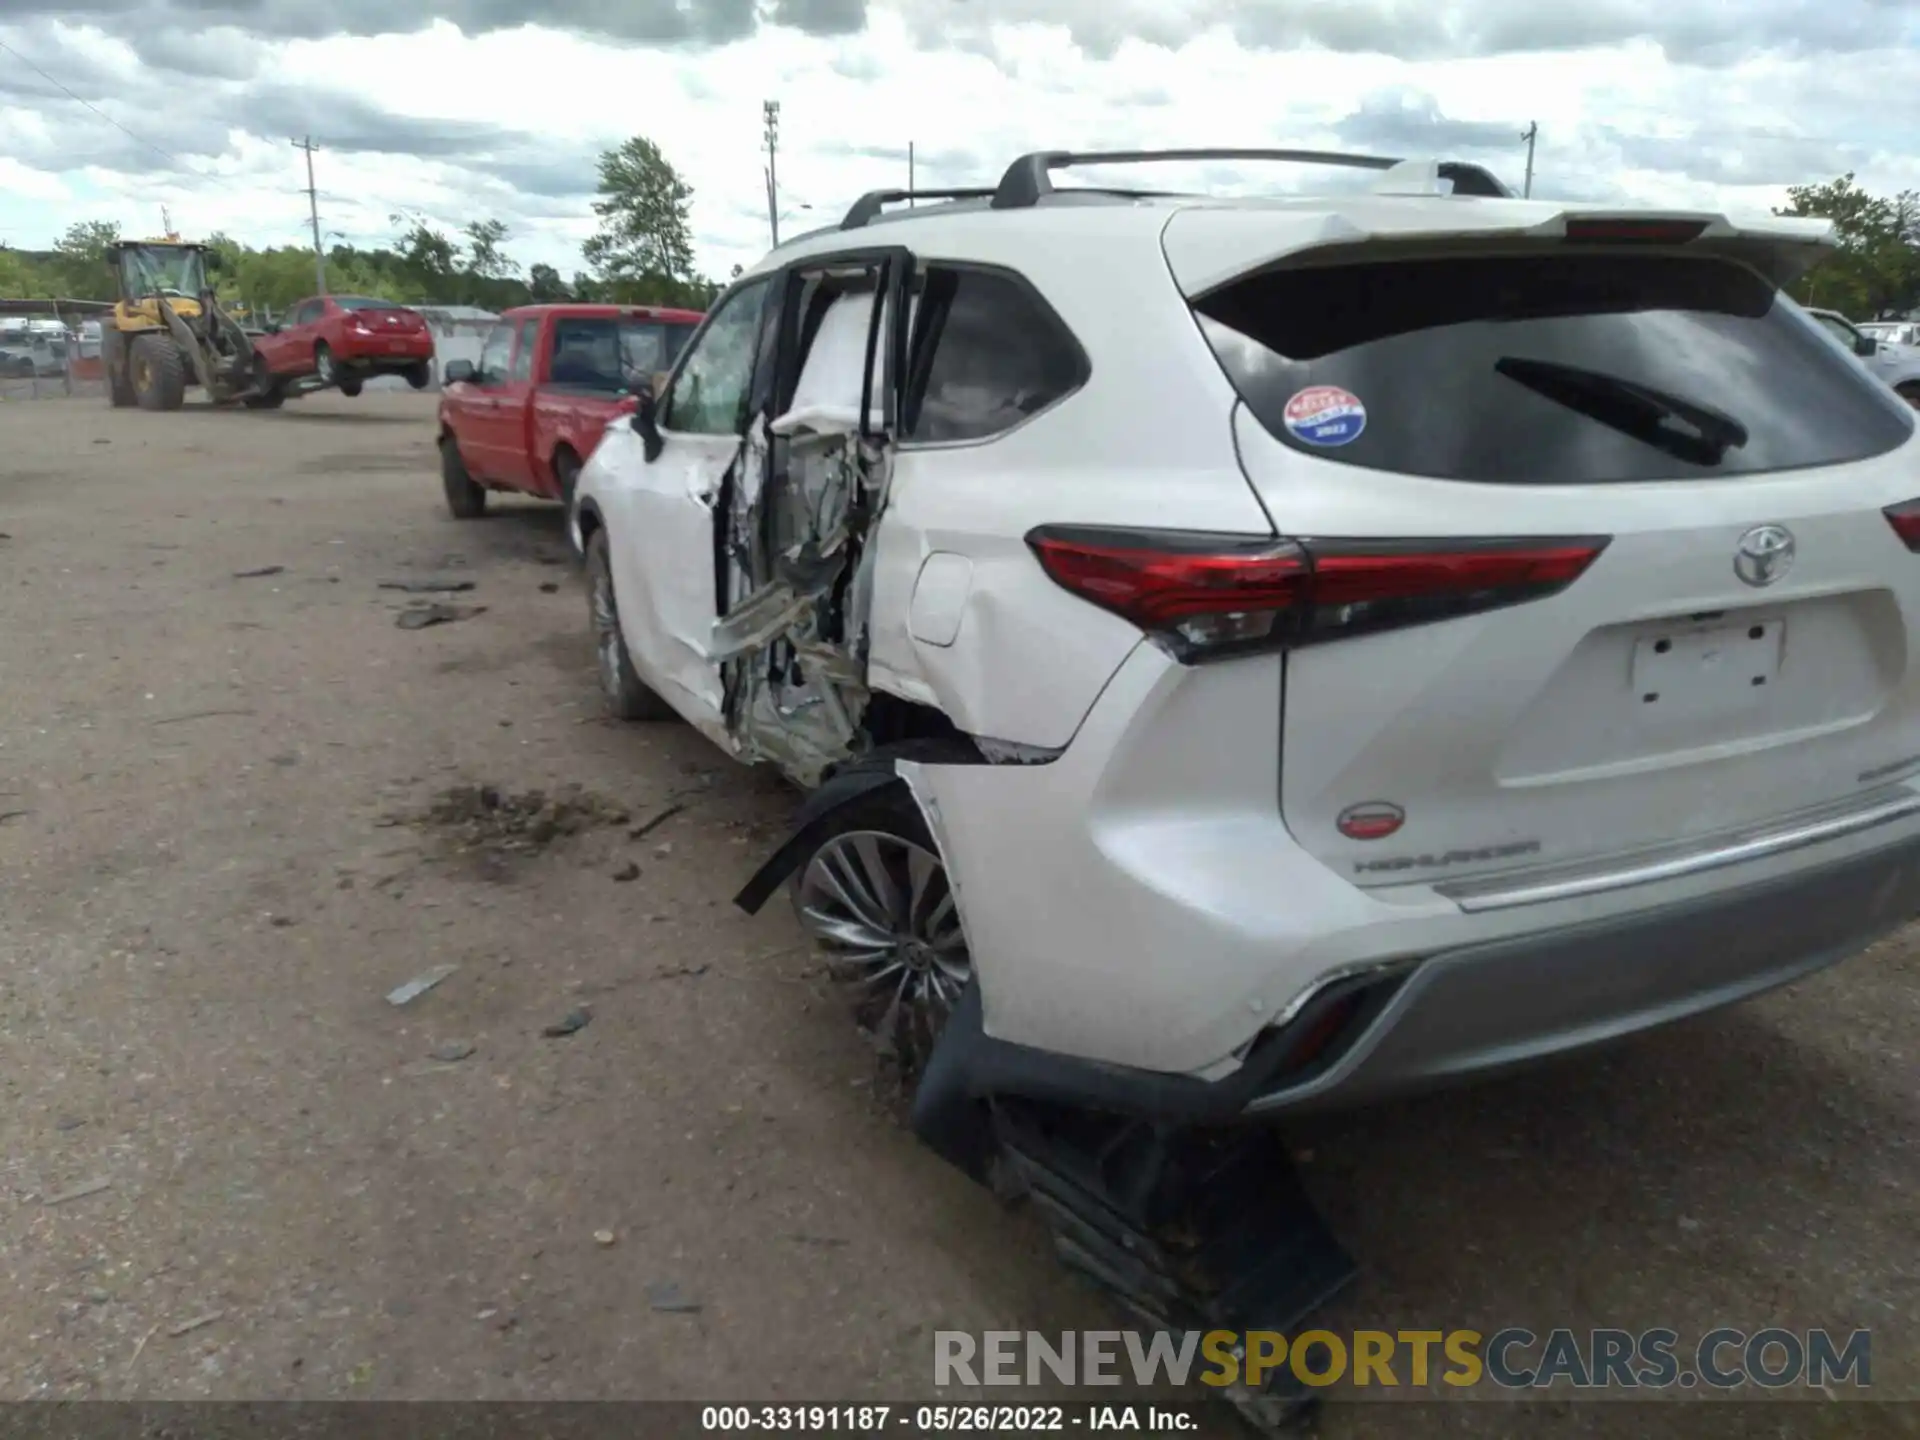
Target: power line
{"points": [[137, 139]]}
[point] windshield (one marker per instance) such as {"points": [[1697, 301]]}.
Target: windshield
{"points": [[1569, 368], [164, 270]]}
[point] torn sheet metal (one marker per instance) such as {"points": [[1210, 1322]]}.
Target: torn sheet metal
{"points": [[793, 641]]}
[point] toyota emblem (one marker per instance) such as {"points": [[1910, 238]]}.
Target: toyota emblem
{"points": [[1764, 554]]}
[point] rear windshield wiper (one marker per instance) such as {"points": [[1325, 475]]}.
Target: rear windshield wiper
{"points": [[1686, 429]]}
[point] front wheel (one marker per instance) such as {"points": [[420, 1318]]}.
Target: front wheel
{"points": [[466, 497], [627, 696], [159, 373], [419, 376], [566, 471], [1909, 392], [268, 393]]}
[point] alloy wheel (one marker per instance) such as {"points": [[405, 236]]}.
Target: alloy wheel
{"points": [[882, 909]]}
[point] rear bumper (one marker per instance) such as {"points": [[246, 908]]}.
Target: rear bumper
{"points": [[381, 351], [1486, 1008], [1478, 1010]]}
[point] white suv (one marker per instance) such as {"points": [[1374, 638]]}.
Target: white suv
{"points": [[1257, 653]]}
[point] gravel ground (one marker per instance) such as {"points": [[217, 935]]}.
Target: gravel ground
{"points": [[232, 819]]}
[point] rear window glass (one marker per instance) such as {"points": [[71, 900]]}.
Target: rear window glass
{"points": [[602, 354], [363, 302], [1565, 369]]}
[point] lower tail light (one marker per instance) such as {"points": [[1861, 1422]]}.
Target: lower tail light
{"points": [[1905, 520], [1204, 596]]}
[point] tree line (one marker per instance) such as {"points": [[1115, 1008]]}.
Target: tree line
{"points": [[640, 254], [1875, 273]]}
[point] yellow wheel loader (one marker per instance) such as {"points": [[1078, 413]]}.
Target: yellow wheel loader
{"points": [[167, 331]]}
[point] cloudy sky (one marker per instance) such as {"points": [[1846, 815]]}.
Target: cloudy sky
{"points": [[458, 109]]}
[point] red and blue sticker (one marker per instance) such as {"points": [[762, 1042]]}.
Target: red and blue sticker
{"points": [[1325, 415]]}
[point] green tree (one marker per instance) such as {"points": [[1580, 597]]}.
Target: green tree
{"points": [[485, 257], [1876, 267], [545, 285], [80, 260], [644, 235]]}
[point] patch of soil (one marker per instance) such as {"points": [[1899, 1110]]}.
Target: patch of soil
{"points": [[489, 825]]}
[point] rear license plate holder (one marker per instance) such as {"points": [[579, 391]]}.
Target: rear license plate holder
{"points": [[1695, 669]]}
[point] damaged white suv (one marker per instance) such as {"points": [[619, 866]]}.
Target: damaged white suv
{"points": [[1252, 653]]}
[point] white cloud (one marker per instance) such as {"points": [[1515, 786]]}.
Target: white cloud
{"points": [[1636, 101]]}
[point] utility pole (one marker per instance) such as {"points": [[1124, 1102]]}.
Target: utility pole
{"points": [[909, 174], [770, 111], [1532, 134], [313, 209]]}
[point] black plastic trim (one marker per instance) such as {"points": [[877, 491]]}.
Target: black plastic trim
{"points": [[869, 206], [969, 1068]]}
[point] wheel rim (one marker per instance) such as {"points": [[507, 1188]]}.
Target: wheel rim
{"points": [[142, 375], [606, 630], [323, 362], [883, 910]]}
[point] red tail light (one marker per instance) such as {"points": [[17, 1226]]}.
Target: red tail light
{"points": [[1636, 232], [1905, 519], [1204, 596]]}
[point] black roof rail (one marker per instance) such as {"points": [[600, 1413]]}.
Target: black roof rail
{"points": [[1031, 176], [868, 207]]}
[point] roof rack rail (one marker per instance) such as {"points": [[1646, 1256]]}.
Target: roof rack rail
{"points": [[1031, 176], [868, 207]]}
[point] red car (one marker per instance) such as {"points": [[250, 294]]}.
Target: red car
{"points": [[549, 380], [342, 341]]}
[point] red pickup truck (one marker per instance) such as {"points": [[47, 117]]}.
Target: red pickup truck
{"points": [[550, 378]]}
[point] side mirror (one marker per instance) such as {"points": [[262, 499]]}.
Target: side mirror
{"points": [[459, 372], [646, 410], [1865, 345]]}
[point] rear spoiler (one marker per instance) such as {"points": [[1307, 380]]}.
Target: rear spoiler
{"points": [[1208, 248]]}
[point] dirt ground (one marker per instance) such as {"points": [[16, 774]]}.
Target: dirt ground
{"points": [[230, 1168]]}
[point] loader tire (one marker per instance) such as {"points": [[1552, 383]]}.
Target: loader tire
{"points": [[158, 372], [113, 359]]}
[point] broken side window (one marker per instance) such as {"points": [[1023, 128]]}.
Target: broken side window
{"points": [[987, 353]]}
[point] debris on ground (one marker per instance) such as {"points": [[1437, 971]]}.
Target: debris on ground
{"points": [[199, 1322], [665, 1297], [603, 1238], [549, 587], [419, 985], [261, 573], [572, 1022], [453, 1051], [6, 815], [654, 821], [487, 820], [628, 871], [79, 1192], [280, 922], [419, 617], [683, 972], [428, 587]]}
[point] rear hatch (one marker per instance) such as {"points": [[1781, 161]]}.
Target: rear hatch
{"points": [[1600, 540]]}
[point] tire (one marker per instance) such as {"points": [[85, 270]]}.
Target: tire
{"points": [[1909, 392], [158, 373], [627, 696], [113, 360], [875, 898], [350, 385], [268, 393], [566, 470], [466, 497], [419, 376]]}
